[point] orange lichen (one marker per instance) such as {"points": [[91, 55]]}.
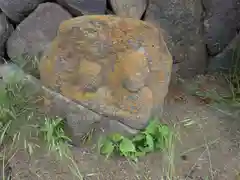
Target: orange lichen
{"points": [[75, 93], [90, 45], [89, 68], [133, 63], [161, 76]]}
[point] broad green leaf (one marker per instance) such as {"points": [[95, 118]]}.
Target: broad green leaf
{"points": [[141, 148], [107, 148], [164, 130], [159, 145], [147, 150], [149, 142], [139, 137], [127, 145], [116, 137], [152, 127]]}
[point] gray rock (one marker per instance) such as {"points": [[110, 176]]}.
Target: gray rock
{"points": [[79, 119], [82, 123], [17, 10], [10, 72], [34, 34], [5, 31], [118, 127], [221, 23], [136, 51], [183, 29], [224, 61], [129, 8], [78, 8]]}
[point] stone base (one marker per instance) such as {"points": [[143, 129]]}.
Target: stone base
{"points": [[80, 120]]}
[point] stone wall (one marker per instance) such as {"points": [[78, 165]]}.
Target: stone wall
{"points": [[197, 32], [201, 36]]}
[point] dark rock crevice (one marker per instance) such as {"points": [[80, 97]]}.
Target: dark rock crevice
{"points": [[203, 16], [128, 8]]}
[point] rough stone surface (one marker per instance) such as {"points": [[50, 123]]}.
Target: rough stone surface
{"points": [[93, 56], [17, 10], [83, 7], [117, 127], [226, 60], [35, 33], [182, 24], [79, 118], [5, 31], [221, 23], [129, 8], [9, 72]]}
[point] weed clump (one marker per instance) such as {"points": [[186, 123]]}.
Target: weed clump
{"points": [[24, 125], [155, 137]]}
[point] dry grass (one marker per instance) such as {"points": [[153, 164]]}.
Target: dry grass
{"points": [[23, 125]]}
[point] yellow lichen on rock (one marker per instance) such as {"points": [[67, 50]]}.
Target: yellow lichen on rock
{"points": [[118, 64]]}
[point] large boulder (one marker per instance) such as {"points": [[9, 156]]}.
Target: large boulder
{"points": [[182, 25], [228, 59], [117, 67], [129, 8], [84, 7], [35, 33], [5, 31], [17, 10], [221, 23]]}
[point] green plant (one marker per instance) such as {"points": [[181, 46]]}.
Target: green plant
{"points": [[18, 112], [154, 137], [53, 134], [23, 124], [57, 142]]}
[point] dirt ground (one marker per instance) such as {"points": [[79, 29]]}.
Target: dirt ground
{"points": [[207, 149]]}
